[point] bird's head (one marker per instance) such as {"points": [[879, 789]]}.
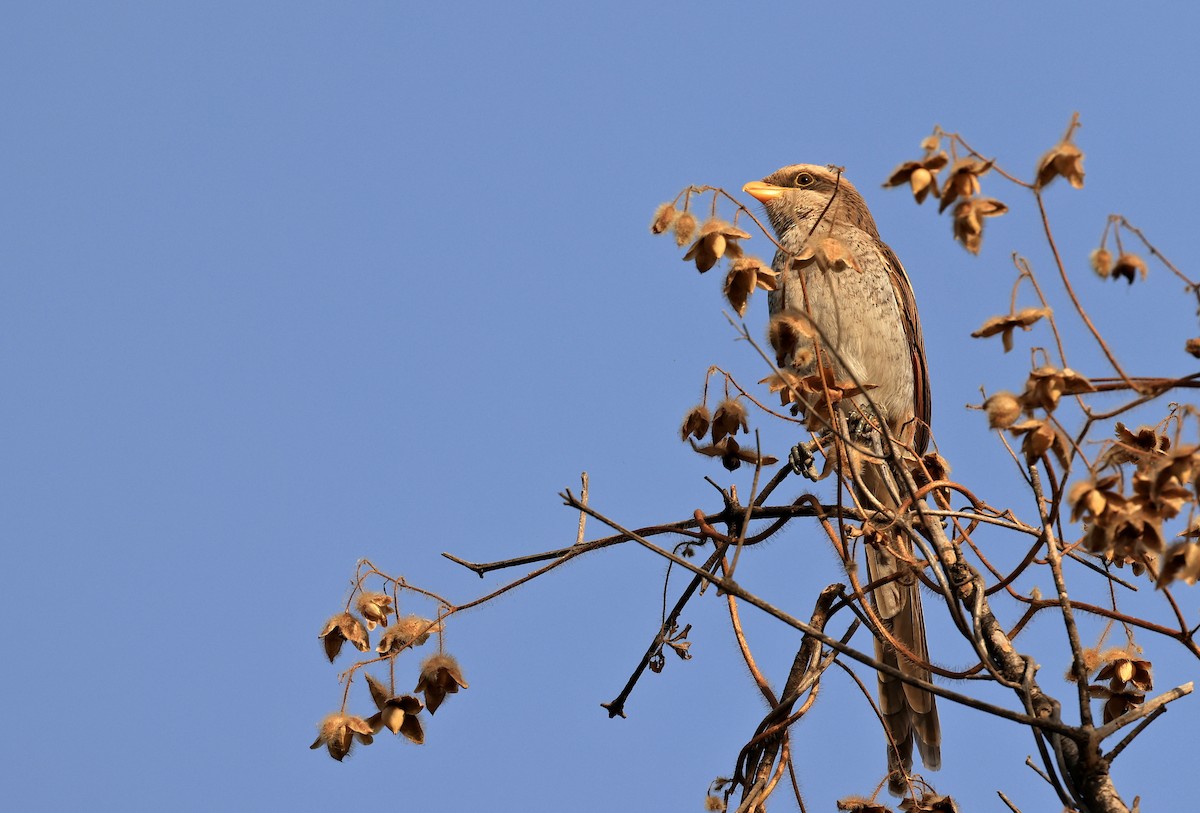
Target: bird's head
{"points": [[796, 196]]}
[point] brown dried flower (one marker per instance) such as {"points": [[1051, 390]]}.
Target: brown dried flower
{"points": [[1181, 560], [1093, 497], [1047, 384], [397, 713], [1162, 484], [963, 181], [968, 220], [1124, 669], [1192, 346], [338, 732], [859, 804], [685, 228], [695, 423], [1002, 410], [784, 382], [733, 455], [929, 803], [341, 628], [930, 467], [717, 238], [730, 416], [1136, 447], [440, 675], [1129, 265], [1005, 325], [745, 275], [1127, 528], [828, 254], [1123, 535], [1063, 159], [1040, 437], [664, 216], [412, 630], [1146, 441], [375, 608], [1121, 702], [787, 332], [1101, 261], [919, 175]]}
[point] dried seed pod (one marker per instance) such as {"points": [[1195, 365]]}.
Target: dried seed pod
{"points": [[664, 216]]}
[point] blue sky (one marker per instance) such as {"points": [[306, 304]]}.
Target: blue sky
{"points": [[291, 284]]}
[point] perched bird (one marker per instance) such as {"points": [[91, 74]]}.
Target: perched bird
{"points": [[865, 316]]}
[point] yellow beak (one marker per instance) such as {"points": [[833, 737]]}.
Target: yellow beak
{"points": [[762, 191]]}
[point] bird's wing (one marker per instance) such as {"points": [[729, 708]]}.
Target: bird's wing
{"points": [[922, 402]]}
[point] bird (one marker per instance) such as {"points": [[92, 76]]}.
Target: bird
{"points": [[865, 317]]}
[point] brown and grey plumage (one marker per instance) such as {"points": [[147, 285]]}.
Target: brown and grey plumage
{"points": [[868, 318]]}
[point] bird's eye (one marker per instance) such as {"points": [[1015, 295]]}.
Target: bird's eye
{"points": [[804, 179]]}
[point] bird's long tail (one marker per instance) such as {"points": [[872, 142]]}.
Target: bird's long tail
{"points": [[910, 713]]}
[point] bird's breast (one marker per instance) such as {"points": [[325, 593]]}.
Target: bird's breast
{"points": [[856, 315]]}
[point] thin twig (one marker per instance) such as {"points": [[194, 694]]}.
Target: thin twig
{"points": [[1144, 710], [1006, 801], [583, 496]]}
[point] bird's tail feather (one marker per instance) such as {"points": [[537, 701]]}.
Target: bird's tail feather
{"points": [[909, 712]]}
